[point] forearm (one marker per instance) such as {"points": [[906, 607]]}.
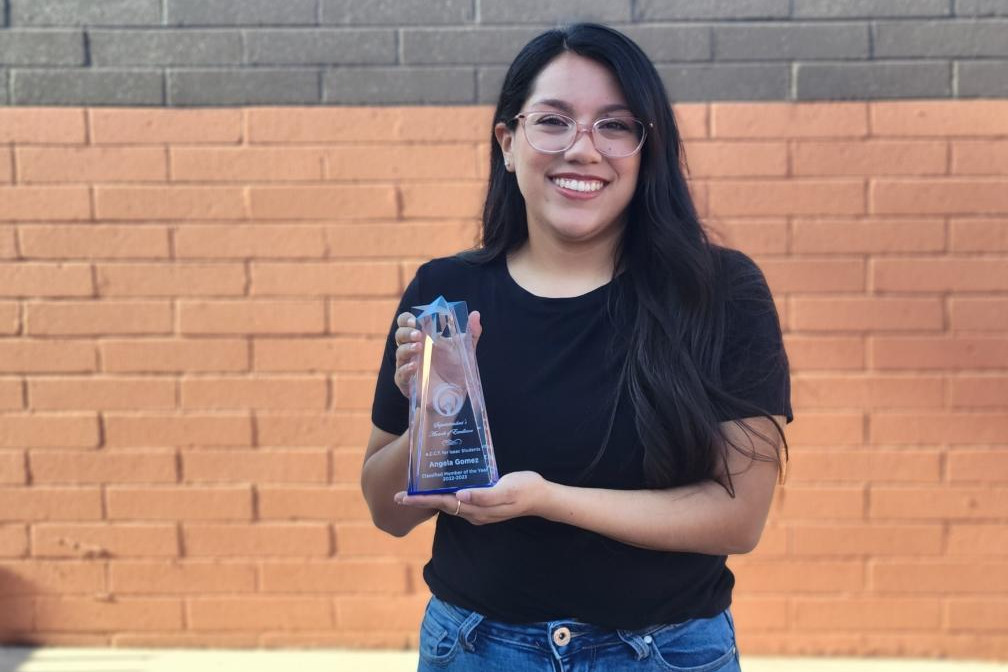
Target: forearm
{"points": [[700, 518], [384, 474]]}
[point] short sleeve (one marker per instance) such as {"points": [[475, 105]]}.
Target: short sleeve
{"points": [[390, 409], [754, 365]]}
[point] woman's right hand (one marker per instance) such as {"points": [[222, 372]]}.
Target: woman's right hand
{"points": [[409, 340]]}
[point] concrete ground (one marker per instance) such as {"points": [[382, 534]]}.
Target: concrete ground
{"points": [[59, 659]]}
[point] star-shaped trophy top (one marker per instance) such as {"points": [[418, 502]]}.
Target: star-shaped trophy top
{"points": [[440, 306]]}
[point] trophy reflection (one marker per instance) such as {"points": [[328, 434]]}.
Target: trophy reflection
{"points": [[450, 446]]}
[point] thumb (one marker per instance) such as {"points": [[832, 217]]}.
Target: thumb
{"points": [[475, 328], [477, 496]]}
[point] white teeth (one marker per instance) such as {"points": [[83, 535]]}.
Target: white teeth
{"points": [[578, 185]]}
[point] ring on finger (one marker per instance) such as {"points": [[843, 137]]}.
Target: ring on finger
{"points": [[458, 508]]}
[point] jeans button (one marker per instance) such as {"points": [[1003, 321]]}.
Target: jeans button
{"points": [[561, 636], [648, 639]]}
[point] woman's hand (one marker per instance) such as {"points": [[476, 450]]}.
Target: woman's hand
{"points": [[409, 341], [520, 493]]}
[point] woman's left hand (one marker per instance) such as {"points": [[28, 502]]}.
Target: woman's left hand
{"points": [[520, 493]]}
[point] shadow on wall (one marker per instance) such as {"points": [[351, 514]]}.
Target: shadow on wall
{"points": [[11, 659], [17, 612]]}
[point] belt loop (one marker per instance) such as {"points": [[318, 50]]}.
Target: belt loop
{"points": [[467, 628], [636, 642]]}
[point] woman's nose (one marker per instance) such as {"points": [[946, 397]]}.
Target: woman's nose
{"points": [[583, 147]]}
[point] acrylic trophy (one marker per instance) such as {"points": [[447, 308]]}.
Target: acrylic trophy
{"points": [[450, 445]]}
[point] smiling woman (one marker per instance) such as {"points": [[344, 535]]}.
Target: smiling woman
{"points": [[634, 378]]}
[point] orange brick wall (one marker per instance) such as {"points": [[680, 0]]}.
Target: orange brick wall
{"points": [[192, 307]]}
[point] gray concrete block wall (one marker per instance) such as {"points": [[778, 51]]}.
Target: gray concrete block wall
{"points": [[729, 10], [84, 12], [982, 79], [870, 9], [304, 52], [975, 8], [168, 48]]}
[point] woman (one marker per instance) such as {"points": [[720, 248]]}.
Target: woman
{"points": [[635, 383]]}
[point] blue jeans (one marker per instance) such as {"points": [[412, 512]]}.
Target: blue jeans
{"points": [[453, 639]]}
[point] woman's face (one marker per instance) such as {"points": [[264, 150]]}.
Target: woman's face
{"points": [[584, 90]]}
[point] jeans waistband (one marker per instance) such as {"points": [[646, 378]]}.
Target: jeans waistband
{"points": [[543, 635]]}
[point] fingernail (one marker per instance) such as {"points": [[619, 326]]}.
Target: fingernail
{"points": [[414, 334]]}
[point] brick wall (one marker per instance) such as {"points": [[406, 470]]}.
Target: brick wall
{"points": [[240, 52], [192, 307]]}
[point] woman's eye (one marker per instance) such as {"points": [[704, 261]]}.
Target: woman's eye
{"points": [[552, 121], [614, 125]]}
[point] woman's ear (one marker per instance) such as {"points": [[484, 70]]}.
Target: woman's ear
{"points": [[504, 139]]}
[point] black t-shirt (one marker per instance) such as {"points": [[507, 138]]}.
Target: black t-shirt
{"points": [[549, 368]]}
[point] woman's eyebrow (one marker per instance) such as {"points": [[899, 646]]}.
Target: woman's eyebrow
{"points": [[566, 107]]}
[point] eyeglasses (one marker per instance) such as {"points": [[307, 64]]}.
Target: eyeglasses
{"points": [[553, 133]]}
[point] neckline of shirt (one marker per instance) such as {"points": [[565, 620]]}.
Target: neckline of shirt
{"points": [[592, 296]]}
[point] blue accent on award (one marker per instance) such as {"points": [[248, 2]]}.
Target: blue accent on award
{"points": [[450, 446]]}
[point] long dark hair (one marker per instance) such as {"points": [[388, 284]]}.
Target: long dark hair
{"points": [[672, 366]]}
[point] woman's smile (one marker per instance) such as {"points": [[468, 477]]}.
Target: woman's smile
{"points": [[578, 187]]}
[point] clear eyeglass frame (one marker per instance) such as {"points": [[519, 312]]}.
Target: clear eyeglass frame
{"points": [[582, 128]]}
